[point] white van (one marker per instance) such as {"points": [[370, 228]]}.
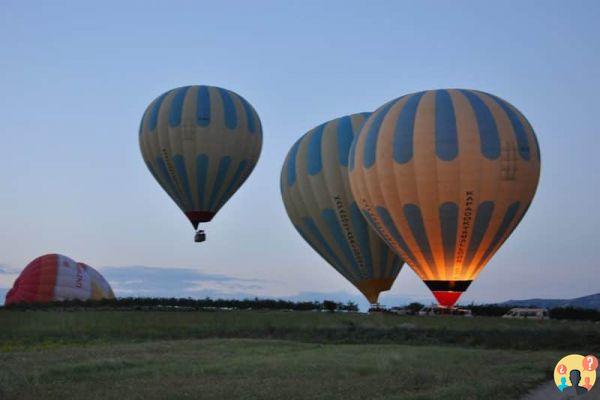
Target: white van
{"points": [[527, 313]]}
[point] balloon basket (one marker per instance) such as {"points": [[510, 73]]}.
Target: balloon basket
{"points": [[376, 308], [200, 236]]}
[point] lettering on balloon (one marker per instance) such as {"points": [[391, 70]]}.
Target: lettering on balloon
{"points": [[171, 170], [467, 219], [366, 208], [79, 277], [345, 220]]}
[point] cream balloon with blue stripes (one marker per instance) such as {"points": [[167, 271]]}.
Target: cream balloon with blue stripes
{"points": [[445, 176], [317, 197], [200, 143]]}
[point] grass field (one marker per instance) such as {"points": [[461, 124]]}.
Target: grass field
{"points": [[275, 355]]}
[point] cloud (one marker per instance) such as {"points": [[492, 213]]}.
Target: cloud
{"points": [[189, 282], [179, 282], [7, 270], [7, 278]]}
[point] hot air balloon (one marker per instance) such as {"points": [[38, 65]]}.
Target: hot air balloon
{"points": [[317, 197], [445, 176], [200, 143], [54, 277]]}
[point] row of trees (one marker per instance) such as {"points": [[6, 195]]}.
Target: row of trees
{"points": [[189, 304], [208, 304]]}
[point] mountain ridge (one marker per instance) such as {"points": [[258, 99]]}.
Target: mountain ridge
{"points": [[589, 302]]}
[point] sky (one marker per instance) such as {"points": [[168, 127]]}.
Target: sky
{"points": [[76, 77]]}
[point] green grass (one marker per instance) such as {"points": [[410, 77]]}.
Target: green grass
{"points": [[267, 369], [32, 329], [277, 355]]}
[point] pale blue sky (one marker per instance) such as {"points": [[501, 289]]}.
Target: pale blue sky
{"points": [[76, 76]]}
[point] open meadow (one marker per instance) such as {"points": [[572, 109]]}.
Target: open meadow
{"points": [[274, 355]]}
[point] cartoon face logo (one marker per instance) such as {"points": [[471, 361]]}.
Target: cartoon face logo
{"points": [[576, 374]]}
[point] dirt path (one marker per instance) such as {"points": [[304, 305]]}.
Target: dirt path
{"points": [[548, 391]]}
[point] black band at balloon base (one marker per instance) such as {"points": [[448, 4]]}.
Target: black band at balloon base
{"points": [[448, 286], [196, 217]]}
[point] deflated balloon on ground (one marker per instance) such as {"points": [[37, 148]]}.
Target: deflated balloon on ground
{"points": [[54, 277]]}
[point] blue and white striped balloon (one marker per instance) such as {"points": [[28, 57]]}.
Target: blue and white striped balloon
{"points": [[316, 193], [200, 143]]}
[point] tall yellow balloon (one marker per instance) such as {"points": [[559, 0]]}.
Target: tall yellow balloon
{"points": [[317, 198], [200, 143], [445, 176]]}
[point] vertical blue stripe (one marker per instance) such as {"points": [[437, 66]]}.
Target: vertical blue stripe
{"points": [[314, 231], [235, 182], [383, 256], [518, 128], [155, 175], [228, 109], [344, 139], [370, 144], [480, 227], [155, 111], [151, 169], [404, 130], [201, 171], [221, 174], [177, 106], [415, 220], [314, 162], [446, 139], [388, 222], [203, 106], [249, 115], [352, 153], [526, 208], [537, 144], [333, 224], [534, 138], [183, 177], [488, 132], [167, 179], [142, 122], [396, 265], [510, 214], [449, 226], [361, 231], [291, 163]]}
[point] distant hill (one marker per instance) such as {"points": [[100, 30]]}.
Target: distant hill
{"points": [[591, 302]]}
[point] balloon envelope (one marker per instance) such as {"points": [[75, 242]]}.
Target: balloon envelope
{"points": [[54, 277], [445, 176], [200, 143], [317, 197]]}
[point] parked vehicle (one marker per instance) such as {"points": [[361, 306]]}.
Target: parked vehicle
{"points": [[434, 310], [527, 313]]}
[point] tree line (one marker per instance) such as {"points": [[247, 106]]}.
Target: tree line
{"points": [[189, 304], [208, 304]]}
